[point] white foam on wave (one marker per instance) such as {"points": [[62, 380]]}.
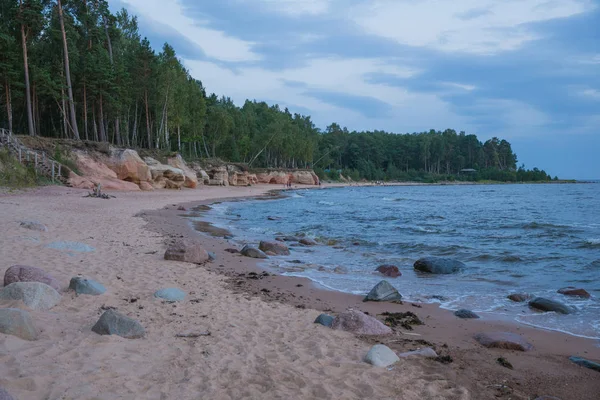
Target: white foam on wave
{"points": [[593, 241], [296, 195], [518, 319], [326, 203]]}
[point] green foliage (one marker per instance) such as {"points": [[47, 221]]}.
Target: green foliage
{"points": [[13, 174], [63, 157]]}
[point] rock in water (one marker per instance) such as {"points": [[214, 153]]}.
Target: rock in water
{"points": [[503, 340], [253, 252], [426, 352], [575, 292], [359, 323], [170, 294], [34, 226], [35, 295], [86, 286], [24, 273], [466, 314], [276, 247], [383, 291], [113, 323], [519, 297], [16, 322], [546, 305], [325, 320], [585, 363], [187, 251], [4, 395], [381, 356], [437, 265], [388, 270], [308, 242]]}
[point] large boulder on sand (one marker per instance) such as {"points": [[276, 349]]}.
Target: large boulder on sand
{"points": [[129, 166], [503, 340], [114, 323], [16, 322], [383, 291], [546, 305], [359, 323], [381, 356], [35, 295], [191, 179], [438, 265], [187, 251], [252, 252], [275, 247], [24, 273]]}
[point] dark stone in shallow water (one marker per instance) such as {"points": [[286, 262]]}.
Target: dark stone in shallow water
{"points": [[438, 265], [389, 270], [325, 320], [252, 252], [519, 297], [575, 292], [585, 363], [546, 305], [466, 314]]}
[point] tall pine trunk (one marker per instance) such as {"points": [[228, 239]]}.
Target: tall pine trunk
{"points": [[85, 112], [26, 67], [8, 105], [148, 120], [68, 73], [101, 121]]}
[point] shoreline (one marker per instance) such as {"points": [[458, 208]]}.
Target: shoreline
{"points": [[263, 341]]}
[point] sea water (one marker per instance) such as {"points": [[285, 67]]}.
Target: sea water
{"points": [[534, 239]]}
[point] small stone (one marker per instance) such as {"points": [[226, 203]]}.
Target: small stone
{"points": [[426, 352], [519, 297], [212, 256], [114, 323], [340, 270], [575, 292], [4, 395], [276, 247], [24, 273], [586, 363], [546, 305], [503, 340], [308, 242], [35, 295], [325, 320], [388, 270], [170, 294], [359, 323], [504, 362], [466, 314], [383, 291], [86, 286], [252, 252], [34, 226], [17, 322], [187, 251], [381, 356]]}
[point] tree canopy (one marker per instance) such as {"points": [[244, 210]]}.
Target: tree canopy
{"points": [[72, 69]]}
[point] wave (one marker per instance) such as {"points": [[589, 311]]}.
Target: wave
{"points": [[326, 203], [591, 243]]}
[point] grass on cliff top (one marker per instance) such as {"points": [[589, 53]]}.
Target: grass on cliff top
{"points": [[13, 174]]}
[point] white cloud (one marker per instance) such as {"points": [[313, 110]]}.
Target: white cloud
{"points": [[461, 86], [215, 44], [593, 93], [296, 7], [472, 26]]}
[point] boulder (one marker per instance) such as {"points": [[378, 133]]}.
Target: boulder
{"points": [[438, 265], [381, 356], [24, 273], [86, 286], [187, 250], [383, 291], [359, 323], [170, 294], [35, 295], [426, 352], [190, 177], [575, 292], [218, 176], [95, 172], [547, 305], [204, 178], [503, 340], [519, 297], [466, 314], [325, 320], [34, 226], [253, 252], [308, 242], [4, 395], [16, 322], [129, 166], [114, 323], [391, 271], [276, 247], [165, 176], [586, 363]]}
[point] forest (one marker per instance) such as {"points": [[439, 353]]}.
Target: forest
{"points": [[73, 69]]}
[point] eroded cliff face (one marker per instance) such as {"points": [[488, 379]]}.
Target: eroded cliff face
{"points": [[124, 169]]}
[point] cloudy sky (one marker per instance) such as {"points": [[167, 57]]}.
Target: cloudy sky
{"points": [[524, 70]]}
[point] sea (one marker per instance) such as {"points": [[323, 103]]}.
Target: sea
{"points": [[517, 238]]}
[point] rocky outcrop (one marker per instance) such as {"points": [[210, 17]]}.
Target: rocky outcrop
{"points": [[274, 177], [191, 178], [16, 322], [305, 178], [128, 166], [547, 305], [35, 295], [187, 251], [95, 172], [24, 273], [437, 265], [381, 356], [359, 323], [113, 323], [503, 340], [165, 176]]}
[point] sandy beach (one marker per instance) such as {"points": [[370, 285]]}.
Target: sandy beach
{"points": [[263, 343]]}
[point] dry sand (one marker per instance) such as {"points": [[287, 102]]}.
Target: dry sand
{"points": [[262, 346]]}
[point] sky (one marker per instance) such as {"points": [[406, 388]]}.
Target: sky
{"points": [[524, 70]]}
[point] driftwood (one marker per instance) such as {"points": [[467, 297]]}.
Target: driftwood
{"points": [[97, 192]]}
